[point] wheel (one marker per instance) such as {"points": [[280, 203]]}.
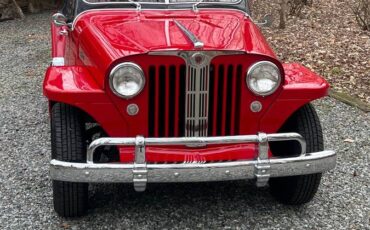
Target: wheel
{"points": [[68, 143], [296, 190]]}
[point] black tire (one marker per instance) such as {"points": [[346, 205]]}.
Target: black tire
{"points": [[297, 190], [68, 143]]}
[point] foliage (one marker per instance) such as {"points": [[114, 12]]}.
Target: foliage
{"points": [[296, 6], [362, 13]]}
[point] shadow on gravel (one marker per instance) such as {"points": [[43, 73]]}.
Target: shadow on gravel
{"points": [[187, 199], [174, 193]]}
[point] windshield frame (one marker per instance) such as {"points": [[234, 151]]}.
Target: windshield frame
{"points": [[72, 8]]}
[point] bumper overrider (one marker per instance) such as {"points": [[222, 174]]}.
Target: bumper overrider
{"points": [[140, 172]]}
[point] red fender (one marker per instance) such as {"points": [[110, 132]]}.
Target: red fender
{"points": [[301, 87], [76, 86]]}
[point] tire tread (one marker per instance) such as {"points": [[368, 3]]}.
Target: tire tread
{"points": [[301, 189], [67, 135]]}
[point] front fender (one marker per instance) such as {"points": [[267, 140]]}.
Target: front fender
{"points": [[301, 86], [75, 86]]}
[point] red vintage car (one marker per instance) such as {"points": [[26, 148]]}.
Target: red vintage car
{"points": [[177, 91]]}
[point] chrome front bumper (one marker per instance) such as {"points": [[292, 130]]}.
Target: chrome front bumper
{"points": [[140, 173]]}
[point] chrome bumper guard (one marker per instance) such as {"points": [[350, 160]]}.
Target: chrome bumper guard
{"points": [[140, 173]]}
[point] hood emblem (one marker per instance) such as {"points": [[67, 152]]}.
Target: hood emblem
{"points": [[196, 42], [198, 59]]}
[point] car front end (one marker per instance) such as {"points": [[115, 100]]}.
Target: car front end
{"points": [[181, 96]]}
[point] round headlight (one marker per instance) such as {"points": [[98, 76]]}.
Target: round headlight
{"points": [[127, 80], [263, 78]]}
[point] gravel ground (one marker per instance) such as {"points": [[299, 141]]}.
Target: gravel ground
{"points": [[343, 200]]}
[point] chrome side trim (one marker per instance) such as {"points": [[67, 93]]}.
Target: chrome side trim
{"points": [[196, 42], [58, 61]]}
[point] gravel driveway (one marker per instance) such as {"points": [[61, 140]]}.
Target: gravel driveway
{"points": [[343, 200]]}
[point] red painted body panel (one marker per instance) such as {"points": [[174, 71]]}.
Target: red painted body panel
{"points": [[58, 42], [181, 154], [101, 39], [107, 36], [75, 86]]}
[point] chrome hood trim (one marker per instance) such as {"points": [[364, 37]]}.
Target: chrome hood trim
{"points": [[196, 42]]}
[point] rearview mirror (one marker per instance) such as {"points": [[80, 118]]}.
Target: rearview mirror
{"points": [[60, 20]]}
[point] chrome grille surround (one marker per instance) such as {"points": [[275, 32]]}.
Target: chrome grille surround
{"points": [[197, 87], [197, 90]]}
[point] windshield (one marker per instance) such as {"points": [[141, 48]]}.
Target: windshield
{"points": [[161, 1], [72, 8]]}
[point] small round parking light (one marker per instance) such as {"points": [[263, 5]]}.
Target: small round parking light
{"points": [[132, 109], [256, 106]]}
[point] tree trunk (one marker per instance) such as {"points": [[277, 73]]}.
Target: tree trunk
{"points": [[283, 13], [9, 9]]}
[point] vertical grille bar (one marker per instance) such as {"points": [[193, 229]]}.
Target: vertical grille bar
{"points": [[219, 101], [233, 95], [229, 99], [162, 98], [224, 102], [157, 86], [211, 118], [215, 98], [152, 101], [239, 80], [173, 105], [167, 99], [182, 99]]}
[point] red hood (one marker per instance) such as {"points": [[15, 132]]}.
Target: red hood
{"points": [[115, 34]]}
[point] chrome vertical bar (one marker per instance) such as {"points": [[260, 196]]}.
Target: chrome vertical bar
{"points": [[197, 90], [139, 170], [262, 167]]}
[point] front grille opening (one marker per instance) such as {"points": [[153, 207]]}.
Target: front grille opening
{"points": [[167, 98], [166, 101]]}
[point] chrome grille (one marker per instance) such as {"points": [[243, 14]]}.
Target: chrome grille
{"points": [[196, 105]]}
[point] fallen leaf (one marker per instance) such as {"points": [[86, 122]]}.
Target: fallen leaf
{"points": [[65, 226], [348, 140]]}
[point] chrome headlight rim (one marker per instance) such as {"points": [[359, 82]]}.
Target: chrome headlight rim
{"points": [[256, 65], [123, 65]]}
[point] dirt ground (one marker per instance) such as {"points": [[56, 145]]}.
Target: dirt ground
{"points": [[325, 38]]}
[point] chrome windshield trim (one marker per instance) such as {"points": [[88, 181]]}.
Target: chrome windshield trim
{"points": [[75, 19], [196, 42], [161, 3]]}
